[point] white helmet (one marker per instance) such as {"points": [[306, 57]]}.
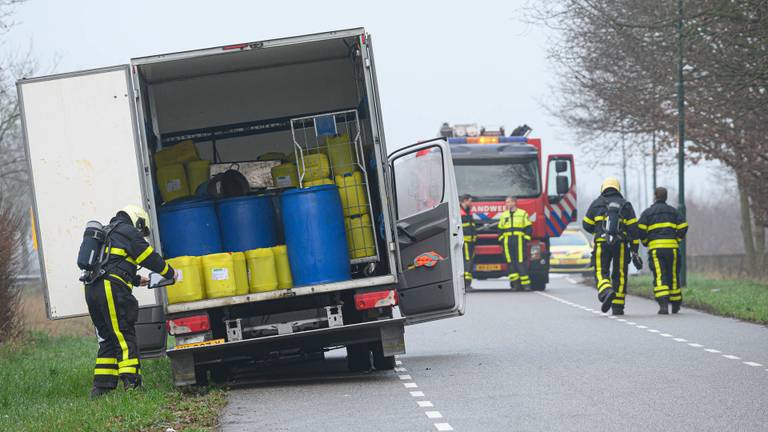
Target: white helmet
{"points": [[139, 218]]}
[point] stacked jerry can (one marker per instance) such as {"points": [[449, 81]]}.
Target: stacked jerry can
{"points": [[180, 171]]}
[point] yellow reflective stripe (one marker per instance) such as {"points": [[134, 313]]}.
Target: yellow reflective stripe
{"points": [[598, 265], [127, 370], [662, 225], [588, 220], [658, 268], [465, 224], [468, 238], [599, 218], [106, 361], [129, 362], [630, 221], [682, 225], [113, 319], [514, 276], [527, 237], [622, 276], [466, 252], [674, 269], [506, 250], [643, 227], [618, 301], [99, 371], [520, 250], [165, 270], [663, 243], [122, 253], [121, 280], [148, 251]]}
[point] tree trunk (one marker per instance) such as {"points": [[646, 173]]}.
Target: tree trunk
{"points": [[760, 258], [746, 226]]}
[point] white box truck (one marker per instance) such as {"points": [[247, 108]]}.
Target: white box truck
{"points": [[91, 136]]}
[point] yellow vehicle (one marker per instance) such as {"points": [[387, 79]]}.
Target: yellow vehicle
{"points": [[571, 253]]}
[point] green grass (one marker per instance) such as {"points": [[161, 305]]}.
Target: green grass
{"points": [[737, 298], [45, 384]]}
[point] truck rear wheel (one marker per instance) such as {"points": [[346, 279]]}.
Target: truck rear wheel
{"points": [[359, 357], [381, 362]]}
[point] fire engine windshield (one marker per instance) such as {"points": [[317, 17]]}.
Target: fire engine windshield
{"points": [[497, 179]]}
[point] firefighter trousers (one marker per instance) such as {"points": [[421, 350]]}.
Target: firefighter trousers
{"points": [[665, 267], [469, 258], [517, 263], [611, 269], [114, 311]]}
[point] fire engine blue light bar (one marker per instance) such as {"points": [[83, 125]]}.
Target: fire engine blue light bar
{"points": [[488, 140]]}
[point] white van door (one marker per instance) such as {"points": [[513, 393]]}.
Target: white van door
{"points": [[429, 236], [81, 137]]}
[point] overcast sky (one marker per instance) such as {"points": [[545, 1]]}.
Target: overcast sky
{"points": [[485, 64]]}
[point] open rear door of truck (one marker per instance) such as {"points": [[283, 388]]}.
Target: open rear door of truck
{"points": [[81, 139], [431, 284]]}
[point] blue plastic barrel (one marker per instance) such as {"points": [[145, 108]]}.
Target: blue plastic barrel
{"points": [[189, 227], [247, 222], [313, 221]]}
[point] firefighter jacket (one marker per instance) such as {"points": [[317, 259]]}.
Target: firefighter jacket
{"points": [[128, 250], [596, 214], [515, 224], [662, 226], [468, 225]]}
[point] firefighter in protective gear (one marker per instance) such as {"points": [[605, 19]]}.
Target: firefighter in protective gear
{"points": [[612, 220], [662, 228], [470, 237], [515, 230], [111, 305]]}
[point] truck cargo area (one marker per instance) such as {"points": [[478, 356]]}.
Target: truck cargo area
{"points": [[240, 103]]}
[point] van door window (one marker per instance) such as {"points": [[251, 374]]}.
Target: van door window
{"points": [[419, 182]]}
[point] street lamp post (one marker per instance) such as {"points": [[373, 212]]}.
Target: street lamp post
{"points": [[681, 133]]}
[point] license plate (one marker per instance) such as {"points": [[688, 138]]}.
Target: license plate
{"points": [[488, 267], [199, 344]]}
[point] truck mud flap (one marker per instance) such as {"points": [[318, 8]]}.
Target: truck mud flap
{"points": [[389, 331]]}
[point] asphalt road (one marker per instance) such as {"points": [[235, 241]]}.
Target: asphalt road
{"points": [[532, 362]]}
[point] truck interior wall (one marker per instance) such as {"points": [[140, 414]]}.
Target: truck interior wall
{"points": [[260, 94]]}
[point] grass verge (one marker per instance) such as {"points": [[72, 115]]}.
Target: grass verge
{"points": [[737, 298], [45, 384]]}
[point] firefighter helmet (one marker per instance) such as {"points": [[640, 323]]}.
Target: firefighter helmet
{"points": [[139, 218], [610, 182]]}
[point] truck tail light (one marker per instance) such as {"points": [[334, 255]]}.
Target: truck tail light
{"points": [[188, 324], [376, 299]]}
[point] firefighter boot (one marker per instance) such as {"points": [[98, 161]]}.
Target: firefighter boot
{"points": [[97, 392], [131, 382], [675, 307], [615, 310], [663, 306], [607, 299]]}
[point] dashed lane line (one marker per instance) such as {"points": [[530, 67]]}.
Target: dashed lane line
{"points": [[430, 413], [650, 330]]}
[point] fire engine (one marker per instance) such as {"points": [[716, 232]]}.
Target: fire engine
{"points": [[490, 166]]}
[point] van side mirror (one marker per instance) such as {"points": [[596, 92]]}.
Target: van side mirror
{"points": [[561, 166], [562, 184]]}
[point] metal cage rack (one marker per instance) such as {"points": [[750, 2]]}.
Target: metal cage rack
{"points": [[329, 150]]}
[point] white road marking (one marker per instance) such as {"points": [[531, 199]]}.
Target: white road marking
{"points": [[401, 369], [433, 414], [417, 393], [410, 385], [398, 362], [425, 404], [404, 377], [443, 427], [666, 335]]}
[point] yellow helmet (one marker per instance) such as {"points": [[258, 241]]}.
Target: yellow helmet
{"points": [[610, 182], [139, 218]]}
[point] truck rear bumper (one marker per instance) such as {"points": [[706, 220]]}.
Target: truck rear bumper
{"points": [[389, 331]]}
